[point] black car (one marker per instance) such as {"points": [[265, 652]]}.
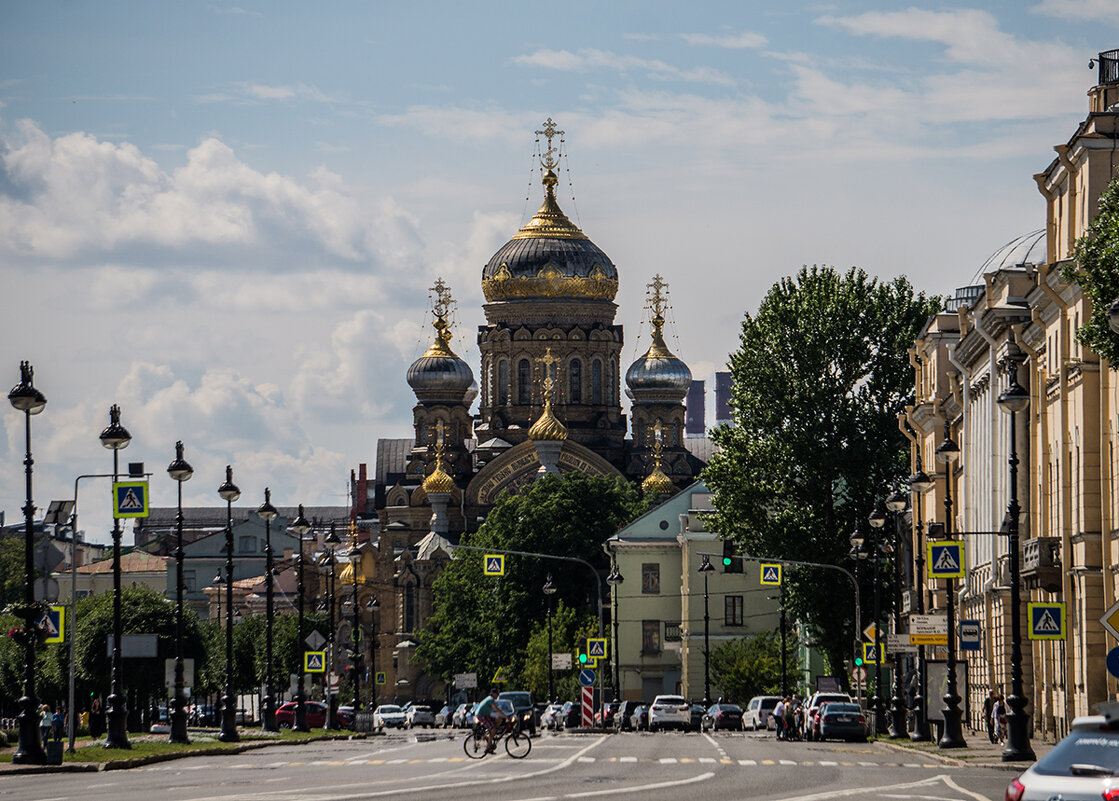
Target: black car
{"points": [[623, 714], [524, 707], [696, 721], [727, 717], [571, 716]]}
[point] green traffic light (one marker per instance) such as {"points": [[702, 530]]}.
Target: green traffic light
{"points": [[726, 561], [858, 661], [582, 659]]}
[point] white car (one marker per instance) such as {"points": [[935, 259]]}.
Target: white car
{"points": [[1084, 765], [418, 716], [670, 712], [759, 712], [549, 718], [388, 716]]}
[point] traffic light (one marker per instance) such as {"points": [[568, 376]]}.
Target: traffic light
{"points": [[732, 562], [858, 661]]}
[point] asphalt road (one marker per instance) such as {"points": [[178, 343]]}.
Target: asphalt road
{"points": [[433, 766]]}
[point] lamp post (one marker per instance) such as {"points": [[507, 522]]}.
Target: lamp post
{"points": [[267, 512], [920, 483], [29, 751], [877, 520], [549, 591], [372, 605], [354, 556], [706, 568], [332, 540], [615, 579], [180, 470], [228, 492], [1012, 400], [859, 553], [895, 505], [116, 438], [299, 527], [947, 453]]}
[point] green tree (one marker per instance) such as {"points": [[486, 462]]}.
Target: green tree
{"points": [[13, 578], [480, 623], [751, 666], [818, 379], [1095, 267], [568, 631]]}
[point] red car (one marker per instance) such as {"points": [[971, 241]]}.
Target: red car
{"points": [[316, 714]]}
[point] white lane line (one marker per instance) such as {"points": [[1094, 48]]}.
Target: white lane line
{"points": [[868, 792], [956, 787], [627, 759], [586, 759], [707, 760], [828, 764], [642, 787], [668, 760], [747, 762]]}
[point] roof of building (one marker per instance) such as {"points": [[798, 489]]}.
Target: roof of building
{"points": [[1028, 249], [132, 562], [196, 517], [392, 457], [701, 448]]}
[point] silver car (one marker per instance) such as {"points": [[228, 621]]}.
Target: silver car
{"points": [[1084, 765]]}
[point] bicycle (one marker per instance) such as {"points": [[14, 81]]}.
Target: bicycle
{"points": [[517, 744]]}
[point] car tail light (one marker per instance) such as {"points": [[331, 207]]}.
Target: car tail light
{"points": [[1111, 795], [656, 709], [1015, 790], [862, 718]]}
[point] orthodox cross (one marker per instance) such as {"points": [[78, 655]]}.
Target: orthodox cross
{"points": [[550, 157], [548, 360], [441, 308]]}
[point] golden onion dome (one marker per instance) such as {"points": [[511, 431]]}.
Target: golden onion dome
{"points": [[657, 483], [547, 428], [438, 480]]}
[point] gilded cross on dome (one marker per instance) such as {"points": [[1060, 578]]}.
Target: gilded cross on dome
{"points": [[550, 157], [657, 303], [548, 360], [442, 305]]}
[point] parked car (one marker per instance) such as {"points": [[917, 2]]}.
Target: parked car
{"points": [[1082, 765], [388, 716], [840, 720], [549, 718], [811, 724], [315, 710], [623, 714], [463, 717], [725, 717], [759, 712], [571, 716], [443, 717], [605, 716], [696, 722], [524, 707], [418, 715], [345, 717], [639, 720], [669, 712]]}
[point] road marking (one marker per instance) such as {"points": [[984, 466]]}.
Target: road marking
{"points": [[787, 762], [640, 788], [438, 759], [686, 760], [882, 791], [627, 759], [828, 764], [585, 759], [747, 762], [768, 762], [668, 760], [707, 760]]}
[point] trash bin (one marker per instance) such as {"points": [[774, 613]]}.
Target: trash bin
{"points": [[54, 752]]}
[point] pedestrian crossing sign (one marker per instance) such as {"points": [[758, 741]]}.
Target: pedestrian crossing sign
{"points": [[130, 499], [596, 647], [946, 559], [314, 661], [1047, 621], [493, 564], [381, 678], [53, 624], [870, 653], [771, 574]]}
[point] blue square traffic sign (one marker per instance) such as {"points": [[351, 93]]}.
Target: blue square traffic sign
{"points": [[946, 559]]}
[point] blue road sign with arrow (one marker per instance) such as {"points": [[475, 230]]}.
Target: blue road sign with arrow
{"points": [[586, 677]]}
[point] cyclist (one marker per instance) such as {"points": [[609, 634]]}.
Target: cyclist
{"points": [[488, 714]]}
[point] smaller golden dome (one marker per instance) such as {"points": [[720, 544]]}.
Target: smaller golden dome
{"points": [[347, 575], [657, 483], [547, 428], [438, 480]]}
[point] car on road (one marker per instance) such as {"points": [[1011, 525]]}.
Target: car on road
{"points": [[1085, 764], [443, 717], [840, 720], [570, 716], [622, 715], [549, 718], [698, 711], [669, 712], [388, 716], [605, 716], [418, 715], [345, 716], [759, 712], [724, 717], [811, 724], [524, 708], [316, 714], [463, 717], [639, 720]]}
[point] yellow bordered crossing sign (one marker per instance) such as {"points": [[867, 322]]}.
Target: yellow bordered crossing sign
{"points": [[596, 648], [53, 624], [314, 661], [493, 564], [381, 677], [130, 499], [870, 653], [1047, 621], [946, 559], [771, 574]]}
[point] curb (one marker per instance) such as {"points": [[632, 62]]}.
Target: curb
{"points": [[978, 762], [151, 759]]}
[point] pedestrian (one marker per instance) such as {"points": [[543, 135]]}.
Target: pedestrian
{"points": [[58, 722], [999, 713], [790, 719], [96, 719], [45, 723], [779, 719], [989, 714]]}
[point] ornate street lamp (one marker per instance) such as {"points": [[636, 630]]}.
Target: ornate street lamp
{"points": [[858, 553], [180, 470], [706, 568], [896, 504], [29, 751], [329, 560], [615, 579], [300, 527], [877, 520], [354, 557], [116, 438], [919, 484], [372, 606], [549, 591], [229, 492], [1015, 399], [948, 453], [267, 512]]}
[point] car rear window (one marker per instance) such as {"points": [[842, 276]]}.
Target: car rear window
{"points": [[669, 699], [837, 706], [1082, 747], [386, 709], [730, 708], [769, 703], [829, 699]]}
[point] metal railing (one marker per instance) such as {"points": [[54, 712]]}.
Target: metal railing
{"points": [[1108, 62]]}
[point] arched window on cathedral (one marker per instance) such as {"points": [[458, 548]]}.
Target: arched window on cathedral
{"points": [[576, 395], [524, 382], [596, 382], [503, 383], [410, 607], [610, 382]]}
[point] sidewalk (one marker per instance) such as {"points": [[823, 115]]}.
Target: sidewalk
{"points": [[980, 751]]}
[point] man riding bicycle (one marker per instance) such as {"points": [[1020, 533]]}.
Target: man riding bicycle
{"points": [[488, 714]]}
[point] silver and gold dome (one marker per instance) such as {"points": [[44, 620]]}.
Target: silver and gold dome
{"points": [[439, 376], [658, 375]]}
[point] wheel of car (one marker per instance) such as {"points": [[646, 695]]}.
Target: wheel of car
{"points": [[652, 729], [284, 724]]}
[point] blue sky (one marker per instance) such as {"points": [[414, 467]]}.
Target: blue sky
{"points": [[226, 217]]}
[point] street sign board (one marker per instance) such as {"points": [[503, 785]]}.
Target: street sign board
{"points": [[1110, 620], [561, 661], [899, 644], [596, 647], [355, 635], [858, 674], [46, 589], [928, 629], [771, 574], [586, 677], [870, 653], [315, 641], [499, 676], [314, 661], [130, 499], [870, 631], [946, 559], [381, 678], [465, 681], [1113, 662], [1047, 621], [53, 624], [493, 564], [971, 636], [134, 646], [169, 672]]}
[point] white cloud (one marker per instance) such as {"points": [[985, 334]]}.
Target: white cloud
{"points": [[249, 93], [733, 41], [1103, 10], [590, 59]]}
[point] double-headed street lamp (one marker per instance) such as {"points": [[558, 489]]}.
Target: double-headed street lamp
{"points": [[919, 484], [299, 527], [895, 504], [29, 751], [948, 453], [229, 492], [706, 568], [1012, 400], [877, 520], [116, 438], [354, 557], [267, 512], [372, 605], [615, 579], [180, 470], [549, 591], [329, 560]]}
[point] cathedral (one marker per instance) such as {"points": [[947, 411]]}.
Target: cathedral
{"points": [[548, 401]]}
